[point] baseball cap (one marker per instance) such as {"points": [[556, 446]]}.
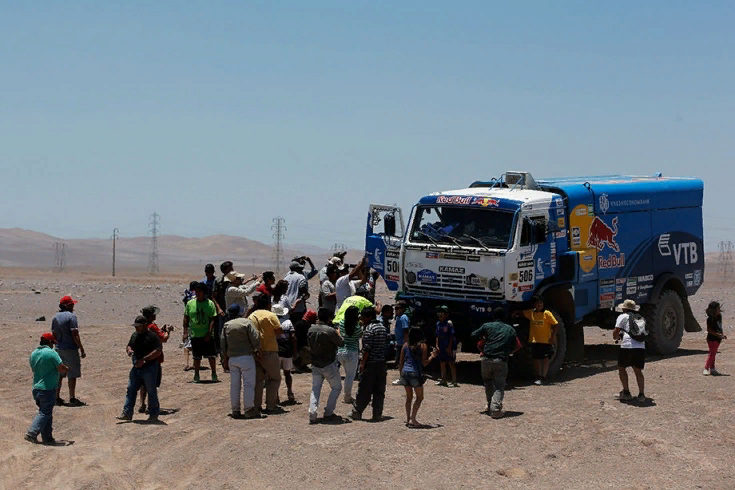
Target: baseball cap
{"points": [[335, 261], [310, 316], [49, 337], [400, 304], [140, 320], [150, 311], [234, 275], [296, 266], [235, 310], [66, 300], [442, 309]]}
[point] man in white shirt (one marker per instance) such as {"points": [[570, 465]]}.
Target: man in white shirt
{"points": [[238, 292], [632, 352], [346, 284]]}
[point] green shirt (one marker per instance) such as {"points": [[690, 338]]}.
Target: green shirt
{"points": [[44, 362], [500, 339], [200, 314], [358, 301], [352, 342]]}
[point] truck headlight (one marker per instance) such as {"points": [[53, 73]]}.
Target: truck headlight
{"points": [[494, 284], [411, 277]]}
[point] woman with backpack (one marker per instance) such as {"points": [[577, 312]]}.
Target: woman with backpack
{"points": [[348, 355], [414, 357], [630, 329], [714, 336]]}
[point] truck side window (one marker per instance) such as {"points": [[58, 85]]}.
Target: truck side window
{"points": [[534, 231]]}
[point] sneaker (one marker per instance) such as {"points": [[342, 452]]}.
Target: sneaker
{"points": [[441, 383], [252, 414], [355, 415], [214, 378], [641, 398], [348, 400], [274, 411], [30, 438], [454, 385], [624, 396], [49, 442], [332, 418], [235, 414], [125, 416], [142, 408], [76, 402], [486, 409], [397, 382], [538, 382], [497, 414], [714, 372], [59, 401], [153, 418], [706, 372], [196, 378]]}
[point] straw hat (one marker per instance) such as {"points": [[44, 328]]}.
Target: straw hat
{"points": [[628, 304]]}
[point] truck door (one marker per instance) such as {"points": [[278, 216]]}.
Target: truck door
{"points": [[534, 261], [383, 239]]}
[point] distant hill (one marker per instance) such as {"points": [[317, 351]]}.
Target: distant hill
{"points": [[24, 248]]}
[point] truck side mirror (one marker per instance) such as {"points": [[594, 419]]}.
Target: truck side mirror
{"points": [[389, 224]]}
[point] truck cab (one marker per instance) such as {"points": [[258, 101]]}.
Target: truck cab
{"points": [[498, 243]]}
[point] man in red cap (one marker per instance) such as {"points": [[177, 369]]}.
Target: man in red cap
{"points": [[46, 366], [69, 346]]}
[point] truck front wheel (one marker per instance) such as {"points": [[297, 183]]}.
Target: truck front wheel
{"points": [[665, 322]]}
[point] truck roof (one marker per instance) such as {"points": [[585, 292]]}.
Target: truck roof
{"points": [[628, 193]]}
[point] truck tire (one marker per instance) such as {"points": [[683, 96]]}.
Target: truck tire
{"points": [[665, 322], [560, 350]]}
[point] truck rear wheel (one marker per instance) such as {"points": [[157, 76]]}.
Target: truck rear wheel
{"points": [[665, 322]]}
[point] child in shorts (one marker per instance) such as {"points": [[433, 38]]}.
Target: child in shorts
{"points": [[445, 345]]}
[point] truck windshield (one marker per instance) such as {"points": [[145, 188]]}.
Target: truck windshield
{"points": [[469, 226]]}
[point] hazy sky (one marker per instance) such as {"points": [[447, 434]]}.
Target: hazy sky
{"points": [[222, 115]]}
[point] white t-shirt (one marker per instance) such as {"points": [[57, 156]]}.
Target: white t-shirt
{"points": [[345, 288], [628, 342]]}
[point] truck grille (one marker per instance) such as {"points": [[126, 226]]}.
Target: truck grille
{"points": [[452, 286]]}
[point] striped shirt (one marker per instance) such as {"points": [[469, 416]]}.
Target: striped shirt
{"points": [[352, 342], [374, 342]]}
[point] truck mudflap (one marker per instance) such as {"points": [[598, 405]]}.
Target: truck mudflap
{"points": [[383, 247]]}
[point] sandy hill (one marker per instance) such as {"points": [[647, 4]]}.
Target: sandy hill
{"points": [[24, 248]]}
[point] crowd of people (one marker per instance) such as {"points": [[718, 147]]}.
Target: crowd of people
{"points": [[261, 330]]}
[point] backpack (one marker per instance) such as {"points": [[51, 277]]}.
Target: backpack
{"points": [[637, 327]]}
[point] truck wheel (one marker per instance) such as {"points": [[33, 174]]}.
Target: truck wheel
{"points": [[665, 322], [560, 350]]}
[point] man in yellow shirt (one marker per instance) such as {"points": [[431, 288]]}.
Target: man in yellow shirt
{"points": [[541, 336], [267, 365]]}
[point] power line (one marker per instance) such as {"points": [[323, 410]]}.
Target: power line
{"points": [[726, 269], [59, 256], [279, 234], [115, 234], [153, 224], [338, 247]]}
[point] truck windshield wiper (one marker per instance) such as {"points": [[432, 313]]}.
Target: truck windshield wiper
{"points": [[482, 244], [454, 240], [429, 237]]}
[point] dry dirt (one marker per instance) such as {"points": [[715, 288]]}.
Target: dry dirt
{"points": [[572, 434]]}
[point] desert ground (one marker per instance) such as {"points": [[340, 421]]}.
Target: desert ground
{"points": [[571, 434]]}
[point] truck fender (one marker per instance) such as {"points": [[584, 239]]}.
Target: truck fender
{"points": [[673, 282]]}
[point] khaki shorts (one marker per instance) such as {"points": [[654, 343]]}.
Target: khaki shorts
{"points": [[286, 363]]}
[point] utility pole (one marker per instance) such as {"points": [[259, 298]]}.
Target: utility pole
{"points": [[59, 256], [115, 234], [338, 247], [153, 224], [726, 268], [279, 233]]}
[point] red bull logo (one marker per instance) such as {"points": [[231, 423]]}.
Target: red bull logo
{"points": [[486, 201], [601, 235]]}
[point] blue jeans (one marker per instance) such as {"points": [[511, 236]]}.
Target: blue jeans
{"points": [[148, 376], [42, 422]]}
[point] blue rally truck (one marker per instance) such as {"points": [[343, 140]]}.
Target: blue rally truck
{"points": [[585, 244]]}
